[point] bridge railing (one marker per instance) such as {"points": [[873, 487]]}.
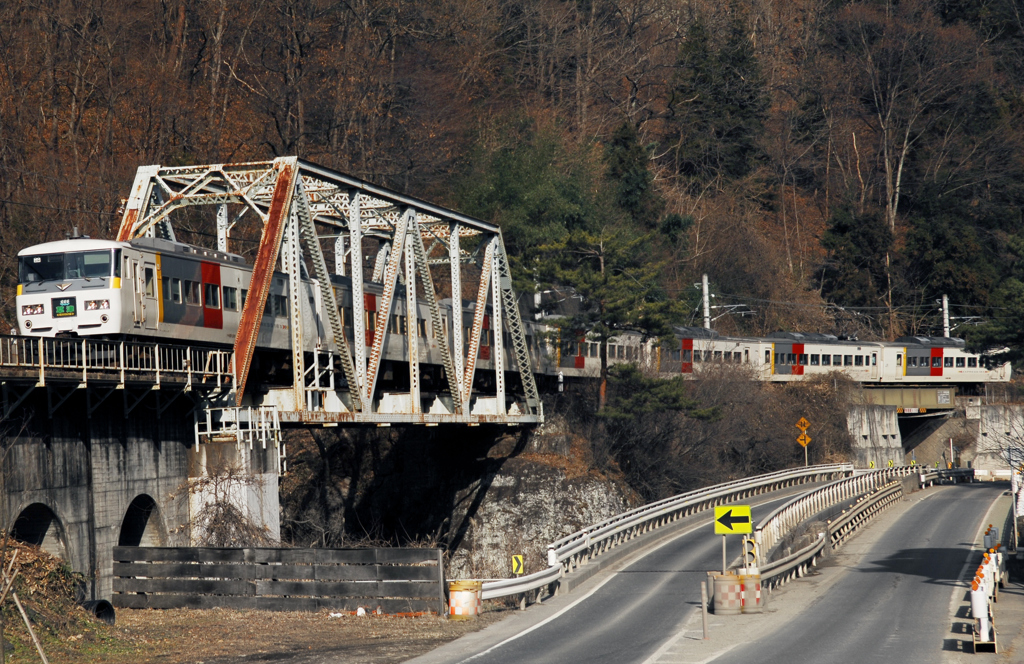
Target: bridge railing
{"points": [[774, 527], [887, 490], [577, 549], [94, 358]]}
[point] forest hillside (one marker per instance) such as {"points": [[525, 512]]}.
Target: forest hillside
{"points": [[833, 166]]}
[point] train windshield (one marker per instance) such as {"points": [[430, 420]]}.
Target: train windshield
{"points": [[69, 265]]}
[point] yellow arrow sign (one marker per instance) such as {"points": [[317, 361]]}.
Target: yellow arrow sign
{"points": [[803, 439], [733, 520], [517, 565], [803, 424]]}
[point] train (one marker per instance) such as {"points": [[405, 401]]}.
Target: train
{"points": [[152, 288]]}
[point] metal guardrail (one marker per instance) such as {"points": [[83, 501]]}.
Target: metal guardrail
{"points": [[774, 527], [796, 564], [575, 550], [43, 358]]}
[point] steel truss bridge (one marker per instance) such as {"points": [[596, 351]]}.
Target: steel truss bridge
{"points": [[297, 206]]}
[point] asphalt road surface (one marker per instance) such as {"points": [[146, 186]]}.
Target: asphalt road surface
{"points": [[631, 615], [894, 605]]}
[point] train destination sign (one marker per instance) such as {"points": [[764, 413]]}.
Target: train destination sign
{"points": [[64, 307], [733, 520]]}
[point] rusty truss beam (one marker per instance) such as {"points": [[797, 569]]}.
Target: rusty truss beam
{"points": [[345, 359]]}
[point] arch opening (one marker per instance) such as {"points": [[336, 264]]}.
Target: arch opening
{"points": [[39, 526], [141, 524]]}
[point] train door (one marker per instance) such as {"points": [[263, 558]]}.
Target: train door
{"points": [[150, 303], [135, 279]]}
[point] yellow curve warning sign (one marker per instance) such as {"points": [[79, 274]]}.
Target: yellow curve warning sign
{"points": [[733, 520], [517, 564]]}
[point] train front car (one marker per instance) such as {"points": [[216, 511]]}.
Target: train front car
{"points": [[71, 287]]}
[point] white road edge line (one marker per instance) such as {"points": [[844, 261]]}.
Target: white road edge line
{"points": [[639, 554]]}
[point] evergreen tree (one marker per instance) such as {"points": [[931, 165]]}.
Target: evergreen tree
{"points": [[855, 272], [718, 106], [633, 181]]}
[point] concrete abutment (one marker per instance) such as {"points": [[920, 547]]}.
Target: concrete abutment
{"points": [[79, 486]]}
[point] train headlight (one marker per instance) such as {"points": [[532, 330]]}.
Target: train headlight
{"points": [[96, 305], [31, 309]]}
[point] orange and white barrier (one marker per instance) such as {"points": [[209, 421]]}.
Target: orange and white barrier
{"points": [[464, 601]]}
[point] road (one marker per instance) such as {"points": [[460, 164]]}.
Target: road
{"points": [[892, 602], [627, 618]]}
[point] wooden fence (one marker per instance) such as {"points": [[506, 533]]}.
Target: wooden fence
{"points": [[395, 580]]}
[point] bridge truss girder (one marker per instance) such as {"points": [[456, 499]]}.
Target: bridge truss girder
{"points": [[299, 204]]}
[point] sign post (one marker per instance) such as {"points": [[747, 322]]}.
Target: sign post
{"points": [[732, 520], [803, 438]]}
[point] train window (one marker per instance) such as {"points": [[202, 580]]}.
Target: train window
{"points": [[371, 321], [959, 363], [746, 356], [621, 352], [948, 361], [718, 356], [688, 356], [815, 360], [936, 362], [707, 355], [190, 289], [837, 360], [790, 358], [847, 360], [858, 360], [211, 296], [165, 287], [278, 305], [176, 290], [149, 283], [911, 361], [230, 298], [421, 327], [245, 294], [899, 360], [972, 363], [803, 359], [737, 357], [826, 360], [675, 355], [767, 357], [874, 359]]}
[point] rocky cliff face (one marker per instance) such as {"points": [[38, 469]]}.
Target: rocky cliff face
{"points": [[482, 493], [528, 504]]}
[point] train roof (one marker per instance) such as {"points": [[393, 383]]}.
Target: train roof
{"points": [[813, 337], [75, 244], [695, 332], [952, 342], [171, 247]]}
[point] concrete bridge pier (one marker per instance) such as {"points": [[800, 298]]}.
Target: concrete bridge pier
{"points": [[79, 486]]}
